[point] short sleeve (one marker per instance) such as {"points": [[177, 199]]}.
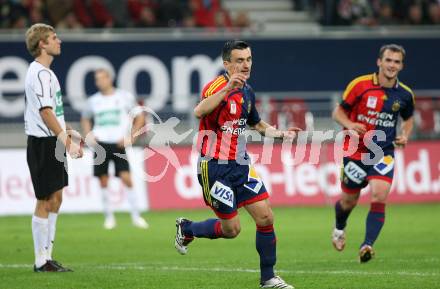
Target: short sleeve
{"points": [[350, 95], [213, 87], [408, 109], [254, 116], [43, 89]]}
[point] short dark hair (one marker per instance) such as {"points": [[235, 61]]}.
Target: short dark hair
{"points": [[231, 45], [393, 48]]}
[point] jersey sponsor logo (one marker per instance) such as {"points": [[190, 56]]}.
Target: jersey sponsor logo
{"points": [[395, 106], [372, 101], [59, 110], [254, 182], [223, 194], [233, 130], [385, 165], [377, 118], [233, 107], [354, 172], [108, 117], [229, 126]]}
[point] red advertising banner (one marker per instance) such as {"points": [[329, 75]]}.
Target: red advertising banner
{"points": [[297, 175]]}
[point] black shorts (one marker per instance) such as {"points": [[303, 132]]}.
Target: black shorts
{"points": [[48, 174], [112, 152]]}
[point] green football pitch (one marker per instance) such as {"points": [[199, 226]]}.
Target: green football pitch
{"points": [[407, 252]]}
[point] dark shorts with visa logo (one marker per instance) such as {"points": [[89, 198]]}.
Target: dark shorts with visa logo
{"points": [[355, 174], [227, 187]]}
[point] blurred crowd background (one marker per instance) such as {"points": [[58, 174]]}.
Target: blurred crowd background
{"points": [[214, 14]]}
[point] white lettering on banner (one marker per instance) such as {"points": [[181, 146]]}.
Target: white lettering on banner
{"points": [[306, 179], [327, 171], [414, 178], [419, 169], [157, 71], [318, 138], [265, 174], [82, 194], [76, 77], [182, 70], [185, 180], [8, 87]]}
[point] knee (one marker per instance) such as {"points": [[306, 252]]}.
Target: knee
{"points": [[55, 202], [127, 183], [265, 219], [348, 204], [103, 181], [59, 199], [231, 232], [126, 179], [379, 197], [43, 206]]}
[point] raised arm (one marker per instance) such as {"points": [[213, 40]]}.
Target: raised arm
{"points": [[208, 104]]}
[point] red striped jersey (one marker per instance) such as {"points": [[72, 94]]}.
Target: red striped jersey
{"points": [[378, 108], [221, 133]]}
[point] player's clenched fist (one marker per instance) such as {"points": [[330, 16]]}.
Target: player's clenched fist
{"points": [[237, 79]]}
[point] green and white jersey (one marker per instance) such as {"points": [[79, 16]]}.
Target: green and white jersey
{"points": [[111, 115], [42, 89]]}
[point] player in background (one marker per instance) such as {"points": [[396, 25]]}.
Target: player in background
{"points": [[225, 172], [370, 108], [110, 109], [45, 126]]}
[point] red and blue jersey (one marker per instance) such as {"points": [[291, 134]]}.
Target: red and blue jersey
{"points": [[221, 133], [378, 108]]}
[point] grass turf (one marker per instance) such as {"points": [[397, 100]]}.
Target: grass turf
{"points": [[407, 252]]}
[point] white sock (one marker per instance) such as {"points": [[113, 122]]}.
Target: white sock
{"points": [[131, 197], [108, 213], [40, 234], [51, 236]]}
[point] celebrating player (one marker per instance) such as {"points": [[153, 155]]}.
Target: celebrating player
{"points": [[45, 126], [370, 108], [227, 178], [109, 108]]}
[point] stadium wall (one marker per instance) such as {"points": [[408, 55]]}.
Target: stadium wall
{"points": [[81, 196], [165, 178], [302, 175]]}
